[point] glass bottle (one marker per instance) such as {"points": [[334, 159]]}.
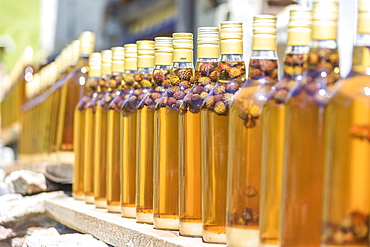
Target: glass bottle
{"points": [[127, 199], [80, 168], [245, 135], [72, 90], [273, 115], [145, 129], [303, 166], [215, 125], [190, 178], [143, 82], [113, 131], [166, 153], [89, 169], [346, 205], [100, 133]]}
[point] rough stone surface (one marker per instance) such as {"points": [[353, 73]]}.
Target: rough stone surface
{"points": [[26, 182], [70, 240], [2, 175], [4, 189], [14, 207]]}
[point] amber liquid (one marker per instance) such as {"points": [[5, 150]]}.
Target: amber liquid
{"points": [[273, 116], [303, 171], [190, 171], [54, 119], [78, 168], [166, 164], [347, 201], [100, 155], [215, 139], [129, 123], [89, 173], [145, 132], [113, 161]]}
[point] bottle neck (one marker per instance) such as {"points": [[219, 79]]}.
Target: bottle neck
{"points": [[115, 80], [161, 75], [82, 63], [295, 62], [128, 78], [361, 54], [143, 77], [325, 44], [263, 67], [232, 58]]}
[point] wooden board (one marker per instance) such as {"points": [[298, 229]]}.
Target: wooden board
{"points": [[113, 229]]}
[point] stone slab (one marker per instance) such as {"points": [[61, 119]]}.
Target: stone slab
{"points": [[113, 229]]}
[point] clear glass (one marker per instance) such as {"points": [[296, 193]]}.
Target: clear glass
{"points": [[100, 144], [143, 82], [72, 90], [145, 144], [166, 153], [215, 125], [79, 133], [346, 209], [303, 167], [190, 168], [273, 116], [244, 158], [113, 144]]}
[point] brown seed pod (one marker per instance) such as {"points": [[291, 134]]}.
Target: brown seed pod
{"points": [[179, 95], [186, 91], [220, 108], [173, 89], [210, 101], [232, 87], [254, 110], [166, 83], [195, 97], [223, 67], [148, 101], [171, 101], [158, 77], [206, 68], [234, 72], [219, 89], [155, 95], [198, 89], [138, 77], [174, 80], [133, 98], [184, 74], [146, 83], [243, 114], [255, 74], [268, 65], [204, 80], [213, 76], [140, 97], [227, 98], [218, 97], [254, 63], [203, 95], [191, 80], [184, 84]]}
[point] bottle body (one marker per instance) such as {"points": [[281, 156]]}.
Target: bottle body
{"points": [[166, 153], [145, 148], [113, 145], [215, 125], [273, 117], [347, 187], [303, 172], [190, 184], [244, 158]]}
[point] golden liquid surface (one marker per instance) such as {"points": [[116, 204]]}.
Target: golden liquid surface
{"points": [[89, 153], [129, 122], [100, 154], [113, 158], [165, 203], [273, 116], [214, 169], [190, 184], [303, 172], [347, 201], [145, 131]]}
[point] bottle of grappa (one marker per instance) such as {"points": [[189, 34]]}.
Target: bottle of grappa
{"points": [[145, 129], [142, 85], [303, 167], [346, 202], [245, 135], [72, 90], [215, 125], [273, 116], [79, 168], [113, 131], [190, 180], [166, 153]]}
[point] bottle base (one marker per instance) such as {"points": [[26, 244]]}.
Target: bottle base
{"points": [[144, 218], [242, 237], [79, 197], [211, 237], [101, 204], [192, 229], [89, 199], [166, 224], [114, 209], [268, 245], [128, 212]]}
